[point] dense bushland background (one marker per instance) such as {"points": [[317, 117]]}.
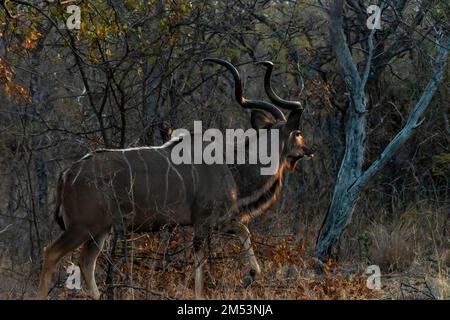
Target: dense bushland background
{"points": [[134, 72]]}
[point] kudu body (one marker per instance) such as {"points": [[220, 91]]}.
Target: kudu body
{"points": [[141, 189]]}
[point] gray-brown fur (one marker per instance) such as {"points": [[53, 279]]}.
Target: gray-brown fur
{"points": [[141, 189]]}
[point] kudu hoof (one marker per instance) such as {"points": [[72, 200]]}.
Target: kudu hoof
{"points": [[248, 279], [318, 267]]}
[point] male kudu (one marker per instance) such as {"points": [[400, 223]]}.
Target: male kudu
{"points": [[141, 189]]}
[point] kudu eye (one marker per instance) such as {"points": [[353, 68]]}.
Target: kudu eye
{"points": [[297, 134]]}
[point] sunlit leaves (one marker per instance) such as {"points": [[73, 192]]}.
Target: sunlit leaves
{"points": [[31, 39], [12, 89]]}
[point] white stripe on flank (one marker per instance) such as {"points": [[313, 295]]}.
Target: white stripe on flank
{"points": [[131, 192], [147, 195], [171, 166], [79, 172]]}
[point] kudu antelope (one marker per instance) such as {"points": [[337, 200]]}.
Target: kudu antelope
{"points": [[141, 189]]}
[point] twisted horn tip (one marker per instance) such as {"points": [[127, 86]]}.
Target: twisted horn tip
{"points": [[265, 63], [211, 60]]}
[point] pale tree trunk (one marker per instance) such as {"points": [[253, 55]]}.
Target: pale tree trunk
{"points": [[351, 180]]}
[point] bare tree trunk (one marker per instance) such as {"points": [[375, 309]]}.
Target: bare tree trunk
{"points": [[39, 194], [351, 180]]}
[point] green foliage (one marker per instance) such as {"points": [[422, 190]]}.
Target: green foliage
{"points": [[365, 244], [440, 11], [441, 165]]}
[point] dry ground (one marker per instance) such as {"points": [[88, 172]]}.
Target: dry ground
{"points": [[161, 268]]}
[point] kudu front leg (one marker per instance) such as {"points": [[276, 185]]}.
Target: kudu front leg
{"points": [[242, 232]]}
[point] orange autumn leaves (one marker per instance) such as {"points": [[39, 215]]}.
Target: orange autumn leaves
{"points": [[14, 90], [30, 40]]}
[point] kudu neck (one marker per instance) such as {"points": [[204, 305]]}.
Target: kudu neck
{"points": [[257, 198]]}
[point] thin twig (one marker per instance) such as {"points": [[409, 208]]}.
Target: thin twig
{"points": [[6, 228]]}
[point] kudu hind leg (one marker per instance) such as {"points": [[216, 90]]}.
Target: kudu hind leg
{"points": [[71, 239], [199, 261], [88, 258]]}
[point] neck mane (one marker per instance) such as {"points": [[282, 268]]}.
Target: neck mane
{"points": [[261, 199]]}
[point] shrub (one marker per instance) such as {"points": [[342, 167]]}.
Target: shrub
{"points": [[393, 245]]}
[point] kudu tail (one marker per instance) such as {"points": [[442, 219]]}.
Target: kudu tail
{"points": [[57, 213]]}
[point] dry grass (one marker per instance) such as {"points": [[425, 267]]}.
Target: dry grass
{"points": [[287, 273], [412, 251], [393, 245]]}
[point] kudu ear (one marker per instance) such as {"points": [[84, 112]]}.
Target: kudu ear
{"points": [[293, 121], [260, 119]]}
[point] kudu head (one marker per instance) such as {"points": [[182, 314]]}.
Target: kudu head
{"points": [[295, 147], [292, 145]]}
